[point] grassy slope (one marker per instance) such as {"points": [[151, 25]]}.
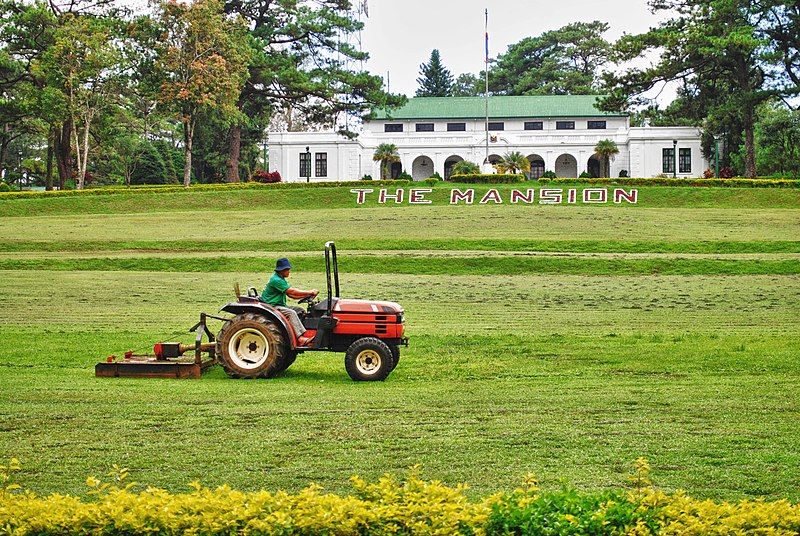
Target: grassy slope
{"points": [[568, 376], [326, 198]]}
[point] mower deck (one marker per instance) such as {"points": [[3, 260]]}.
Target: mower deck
{"points": [[166, 360], [142, 366]]}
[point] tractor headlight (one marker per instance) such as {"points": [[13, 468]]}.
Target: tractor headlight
{"points": [[400, 318]]}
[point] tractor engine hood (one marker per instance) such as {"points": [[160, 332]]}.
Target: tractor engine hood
{"points": [[366, 306]]}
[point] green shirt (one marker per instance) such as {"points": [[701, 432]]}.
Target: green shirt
{"points": [[275, 291]]}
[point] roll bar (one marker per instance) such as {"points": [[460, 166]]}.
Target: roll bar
{"points": [[330, 261]]}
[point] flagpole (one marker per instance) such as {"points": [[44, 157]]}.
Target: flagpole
{"points": [[486, 94]]}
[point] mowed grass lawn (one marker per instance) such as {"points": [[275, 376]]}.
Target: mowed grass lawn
{"points": [[596, 335]]}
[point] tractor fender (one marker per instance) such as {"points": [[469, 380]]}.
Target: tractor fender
{"points": [[263, 310]]}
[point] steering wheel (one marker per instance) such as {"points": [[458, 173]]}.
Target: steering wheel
{"points": [[307, 299]]}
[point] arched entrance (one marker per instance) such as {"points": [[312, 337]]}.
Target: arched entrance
{"points": [[593, 167], [422, 168], [566, 166], [489, 167], [395, 170], [449, 163], [537, 166]]}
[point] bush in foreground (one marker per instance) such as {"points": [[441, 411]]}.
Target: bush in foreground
{"points": [[669, 181], [389, 506]]}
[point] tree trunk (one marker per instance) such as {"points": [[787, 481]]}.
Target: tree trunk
{"points": [[4, 148], [234, 152], [63, 149], [85, 157], [749, 145], [188, 138], [50, 153]]}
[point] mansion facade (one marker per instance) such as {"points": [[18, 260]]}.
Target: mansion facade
{"points": [[557, 133]]}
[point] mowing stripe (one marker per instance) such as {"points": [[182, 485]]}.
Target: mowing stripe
{"points": [[552, 246], [425, 265]]}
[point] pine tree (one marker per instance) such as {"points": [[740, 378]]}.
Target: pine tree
{"points": [[435, 79]]}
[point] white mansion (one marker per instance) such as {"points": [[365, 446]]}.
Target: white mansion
{"points": [[557, 133]]}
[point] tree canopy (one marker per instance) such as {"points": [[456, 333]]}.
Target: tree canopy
{"points": [[435, 80], [720, 53], [566, 61]]}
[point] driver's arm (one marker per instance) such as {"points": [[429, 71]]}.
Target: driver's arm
{"points": [[297, 294]]}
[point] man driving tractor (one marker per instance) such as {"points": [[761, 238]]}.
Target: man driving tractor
{"points": [[275, 294]]}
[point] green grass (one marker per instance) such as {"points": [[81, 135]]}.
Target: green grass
{"points": [[719, 247], [351, 225], [668, 332], [424, 264]]}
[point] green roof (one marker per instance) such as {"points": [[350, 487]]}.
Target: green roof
{"points": [[500, 107]]}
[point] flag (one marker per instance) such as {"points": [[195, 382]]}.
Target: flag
{"points": [[487, 36]]}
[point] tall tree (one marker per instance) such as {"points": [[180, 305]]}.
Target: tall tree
{"points": [[779, 22], [778, 140], [467, 85], [203, 56], [716, 50], [26, 104], [435, 80], [565, 61], [83, 63], [303, 65]]}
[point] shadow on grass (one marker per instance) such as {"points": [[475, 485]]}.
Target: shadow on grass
{"points": [[293, 374]]}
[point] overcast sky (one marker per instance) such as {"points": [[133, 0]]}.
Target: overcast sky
{"points": [[400, 34]]}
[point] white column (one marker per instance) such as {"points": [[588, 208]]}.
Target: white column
{"points": [[406, 159], [549, 160], [438, 164], [583, 162]]}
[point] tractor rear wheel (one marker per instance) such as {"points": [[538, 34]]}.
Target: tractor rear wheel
{"points": [[368, 359], [250, 346], [285, 363]]}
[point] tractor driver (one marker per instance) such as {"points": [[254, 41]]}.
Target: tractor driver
{"points": [[276, 291]]}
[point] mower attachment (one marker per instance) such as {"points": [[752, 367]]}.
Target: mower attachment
{"points": [[166, 360]]}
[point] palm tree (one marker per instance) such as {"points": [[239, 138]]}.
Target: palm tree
{"points": [[606, 149], [386, 154], [465, 167], [514, 162]]}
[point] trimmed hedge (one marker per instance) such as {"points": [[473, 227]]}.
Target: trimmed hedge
{"points": [[487, 179], [389, 506], [171, 188], [725, 183]]}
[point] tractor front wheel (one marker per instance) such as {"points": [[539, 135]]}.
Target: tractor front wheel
{"points": [[250, 346], [395, 355], [368, 360]]}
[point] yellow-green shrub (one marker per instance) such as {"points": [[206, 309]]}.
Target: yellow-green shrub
{"points": [[386, 507], [737, 182]]}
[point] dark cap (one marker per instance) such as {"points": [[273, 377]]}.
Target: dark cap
{"points": [[282, 264]]}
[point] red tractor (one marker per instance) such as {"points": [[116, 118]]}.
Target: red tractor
{"points": [[259, 342]]}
